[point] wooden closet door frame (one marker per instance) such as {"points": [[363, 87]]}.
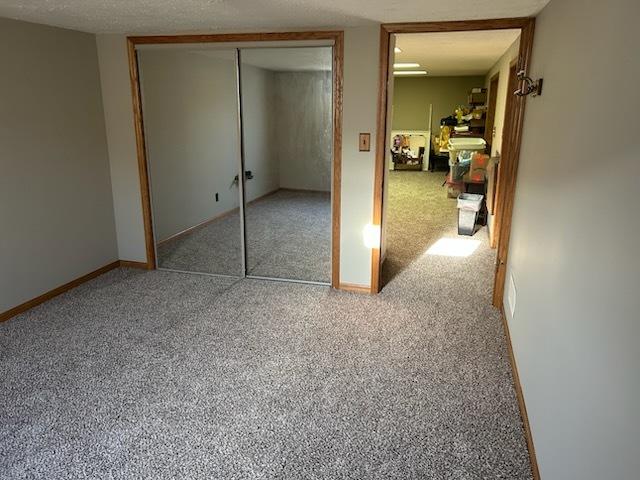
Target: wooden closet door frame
{"points": [[509, 166], [143, 170]]}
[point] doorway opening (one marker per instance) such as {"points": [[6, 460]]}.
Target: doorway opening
{"points": [[449, 126], [239, 153], [438, 246], [443, 151], [286, 105]]}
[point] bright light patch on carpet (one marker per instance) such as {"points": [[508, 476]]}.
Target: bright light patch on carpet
{"points": [[453, 247]]}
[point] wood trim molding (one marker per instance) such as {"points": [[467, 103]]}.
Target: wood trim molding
{"points": [[338, 68], [197, 226], [264, 195], [381, 133], [338, 77], [141, 151], [526, 25], [133, 264], [502, 165], [509, 171], [458, 25], [23, 307], [237, 37], [521, 403], [354, 288], [304, 190]]}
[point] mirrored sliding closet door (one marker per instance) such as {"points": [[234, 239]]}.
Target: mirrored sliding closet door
{"points": [[287, 105], [190, 114]]}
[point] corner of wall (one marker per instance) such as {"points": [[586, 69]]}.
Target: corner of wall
{"points": [[121, 144], [360, 103]]}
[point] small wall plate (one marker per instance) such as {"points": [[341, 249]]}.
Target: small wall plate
{"points": [[364, 142]]}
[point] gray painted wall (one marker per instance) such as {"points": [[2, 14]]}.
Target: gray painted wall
{"points": [[259, 106], [574, 243], [56, 209], [190, 113], [304, 131], [123, 160], [191, 129], [412, 96], [360, 92]]}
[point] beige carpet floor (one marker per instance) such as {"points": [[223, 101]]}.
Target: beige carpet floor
{"points": [[141, 374], [288, 235], [418, 215]]}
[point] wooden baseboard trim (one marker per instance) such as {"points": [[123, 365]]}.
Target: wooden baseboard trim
{"points": [[523, 407], [190, 230], [57, 291], [306, 190], [263, 196], [132, 264], [198, 226], [352, 287]]}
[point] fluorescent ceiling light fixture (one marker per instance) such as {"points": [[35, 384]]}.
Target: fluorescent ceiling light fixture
{"points": [[406, 65], [397, 50], [410, 72], [371, 236], [453, 247]]}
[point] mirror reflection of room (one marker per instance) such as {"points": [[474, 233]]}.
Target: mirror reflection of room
{"points": [[287, 136], [190, 114], [448, 114]]}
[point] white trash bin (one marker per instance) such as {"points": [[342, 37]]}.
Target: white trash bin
{"points": [[469, 205]]}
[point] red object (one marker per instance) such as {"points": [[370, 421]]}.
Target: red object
{"points": [[479, 160], [477, 176], [479, 164]]}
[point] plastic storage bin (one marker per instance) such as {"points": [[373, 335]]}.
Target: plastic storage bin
{"points": [[469, 205], [464, 147]]}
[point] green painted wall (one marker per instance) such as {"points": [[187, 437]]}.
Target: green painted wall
{"points": [[412, 96]]}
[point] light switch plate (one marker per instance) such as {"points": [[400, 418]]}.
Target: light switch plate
{"points": [[364, 142]]}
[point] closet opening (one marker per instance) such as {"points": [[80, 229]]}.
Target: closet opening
{"points": [[446, 167], [239, 153], [286, 106]]}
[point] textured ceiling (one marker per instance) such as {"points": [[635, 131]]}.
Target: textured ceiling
{"points": [[455, 53], [182, 16]]}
